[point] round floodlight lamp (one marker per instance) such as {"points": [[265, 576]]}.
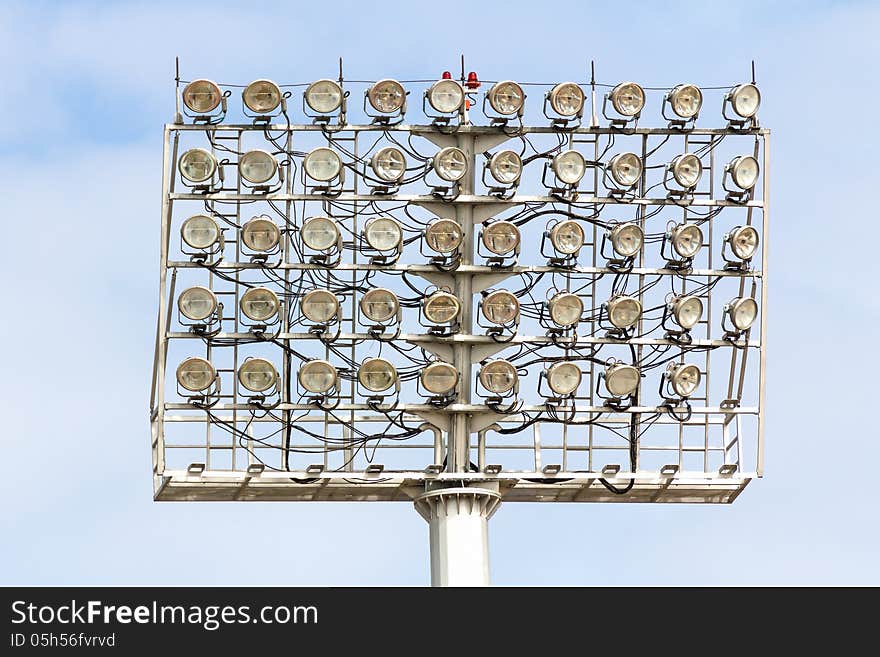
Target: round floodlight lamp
{"points": [[626, 169], [320, 306], [197, 303], [441, 307], [500, 307], [377, 375], [386, 96], [500, 237], [627, 239], [506, 97], [622, 380], [687, 170], [443, 235], [389, 164], [687, 240], [567, 99], [200, 231], [260, 234], [745, 99], [564, 378], [261, 96], [257, 375], [383, 233], [202, 96], [257, 166], [567, 237], [320, 233], [379, 305], [569, 167], [506, 167], [450, 164], [498, 376], [624, 311], [744, 171], [742, 312], [259, 304], [684, 379], [196, 374], [566, 309], [686, 100], [322, 164], [743, 241], [687, 311], [446, 96], [628, 99], [324, 96], [439, 378], [198, 165], [317, 376]]}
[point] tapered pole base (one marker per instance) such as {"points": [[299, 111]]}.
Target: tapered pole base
{"points": [[458, 520]]}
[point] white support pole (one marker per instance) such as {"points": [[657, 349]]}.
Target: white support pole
{"points": [[458, 520]]}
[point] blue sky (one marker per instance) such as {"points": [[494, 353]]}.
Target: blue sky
{"points": [[87, 88]]}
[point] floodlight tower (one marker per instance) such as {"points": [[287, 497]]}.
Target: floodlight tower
{"points": [[458, 516]]}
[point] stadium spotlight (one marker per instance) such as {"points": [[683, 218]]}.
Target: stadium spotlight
{"points": [[450, 165], [506, 169], [446, 98], [204, 101], [739, 315], [566, 237], [622, 173], [500, 309], [323, 100], [323, 166], [318, 378], [568, 169], [686, 240], [196, 374], [623, 313], [563, 378], [627, 99], [685, 170], [686, 311], [743, 244], [500, 379], [506, 99], [621, 382], [321, 234], [743, 172], [685, 101], [257, 168], [258, 375], [198, 168], [562, 311], [743, 100], [387, 100], [377, 375], [198, 308], [443, 237], [263, 98], [381, 308], [502, 241], [202, 234], [441, 310], [261, 306], [385, 236], [440, 381], [261, 237], [564, 105], [679, 381], [320, 308], [626, 241], [389, 166]]}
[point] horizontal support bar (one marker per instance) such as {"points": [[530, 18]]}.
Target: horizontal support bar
{"points": [[383, 419], [463, 199], [466, 269], [471, 339], [463, 130], [472, 408]]}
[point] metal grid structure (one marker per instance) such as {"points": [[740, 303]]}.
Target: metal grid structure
{"points": [[239, 446]]}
